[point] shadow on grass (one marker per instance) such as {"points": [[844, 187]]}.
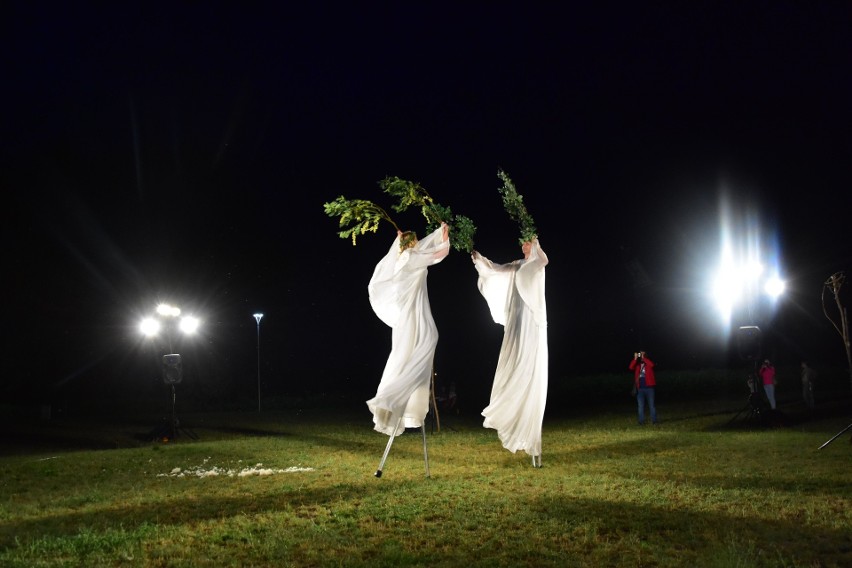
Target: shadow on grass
{"points": [[182, 510], [654, 526], [250, 431], [562, 517]]}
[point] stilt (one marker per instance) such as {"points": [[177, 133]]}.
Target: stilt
{"points": [[425, 453], [536, 461], [387, 449]]}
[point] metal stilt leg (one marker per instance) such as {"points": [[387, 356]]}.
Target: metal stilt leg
{"points": [[387, 449], [425, 452]]}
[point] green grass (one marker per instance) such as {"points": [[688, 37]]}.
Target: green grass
{"points": [[698, 490]]}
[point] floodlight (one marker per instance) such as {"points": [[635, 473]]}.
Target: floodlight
{"points": [[746, 284], [189, 324], [727, 287], [168, 311], [774, 287], [149, 327], [752, 271]]}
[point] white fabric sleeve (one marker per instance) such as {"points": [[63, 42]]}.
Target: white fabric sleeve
{"points": [[381, 289], [432, 249], [530, 283], [495, 285]]}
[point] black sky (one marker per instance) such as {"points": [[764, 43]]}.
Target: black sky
{"points": [[183, 151]]}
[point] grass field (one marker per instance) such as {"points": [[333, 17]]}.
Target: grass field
{"points": [[295, 487]]}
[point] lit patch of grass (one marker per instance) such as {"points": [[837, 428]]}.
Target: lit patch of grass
{"points": [[691, 492]]}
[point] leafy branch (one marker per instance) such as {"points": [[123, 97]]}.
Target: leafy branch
{"points": [[513, 203], [412, 194], [357, 216], [409, 193]]}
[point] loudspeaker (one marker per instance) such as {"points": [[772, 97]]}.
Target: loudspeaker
{"points": [[172, 369], [749, 342]]}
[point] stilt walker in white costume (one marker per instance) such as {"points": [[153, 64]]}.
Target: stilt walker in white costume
{"points": [[515, 296], [399, 297]]}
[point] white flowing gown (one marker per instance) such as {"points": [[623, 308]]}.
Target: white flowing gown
{"points": [[515, 296], [399, 297]]}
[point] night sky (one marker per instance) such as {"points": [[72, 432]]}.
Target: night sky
{"points": [[183, 151]]}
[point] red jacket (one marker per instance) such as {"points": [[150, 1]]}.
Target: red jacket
{"points": [[649, 372]]}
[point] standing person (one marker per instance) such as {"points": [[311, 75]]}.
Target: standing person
{"points": [[399, 297], [515, 296], [808, 376], [645, 383], [767, 377]]}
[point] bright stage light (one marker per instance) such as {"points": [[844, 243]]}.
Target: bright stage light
{"points": [[149, 327], [752, 271], [166, 321], [726, 293], [168, 311], [189, 324], [774, 287], [744, 286], [738, 284]]}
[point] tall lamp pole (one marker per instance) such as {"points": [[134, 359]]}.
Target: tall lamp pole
{"points": [[257, 318]]}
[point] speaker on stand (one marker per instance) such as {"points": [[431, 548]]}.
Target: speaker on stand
{"points": [[749, 342]]}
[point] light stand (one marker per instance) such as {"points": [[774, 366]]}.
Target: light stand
{"points": [[171, 364], [749, 345], [257, 318], [172, 375], [746, 281], [754, 405]]}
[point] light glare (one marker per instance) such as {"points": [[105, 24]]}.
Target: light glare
{"points": [[189, 324], [752, 271], [149, 327], [775, 287], [168, 311]]}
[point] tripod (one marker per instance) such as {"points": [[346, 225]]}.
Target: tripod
{"points": [[837, 436], [172, 374], [171, 428], [754, 405]]}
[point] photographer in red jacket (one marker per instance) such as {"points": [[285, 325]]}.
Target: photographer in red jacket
{"points": [[645, 383]]}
